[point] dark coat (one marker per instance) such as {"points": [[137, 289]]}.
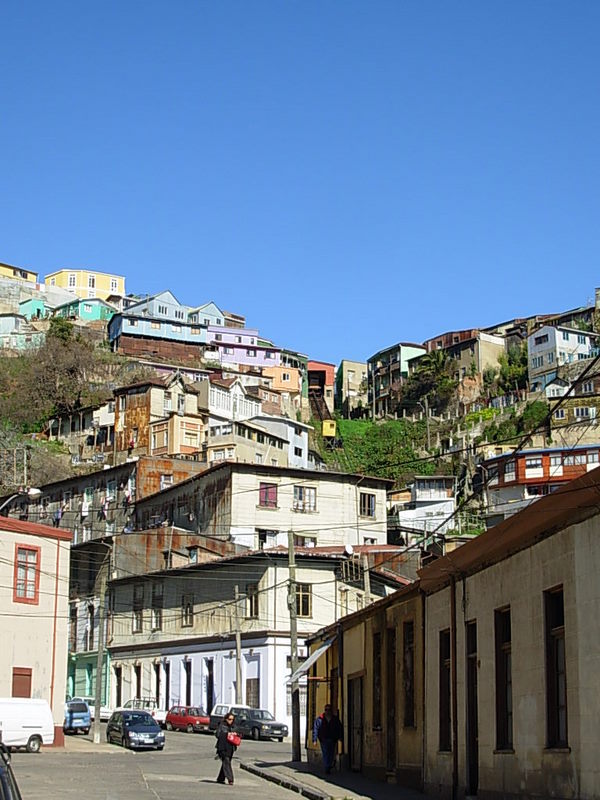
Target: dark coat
{"points": [[224, 748], [327, 730]]}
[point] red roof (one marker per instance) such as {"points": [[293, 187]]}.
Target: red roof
{"points": [[34, 529]]}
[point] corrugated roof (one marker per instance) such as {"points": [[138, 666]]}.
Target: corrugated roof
{"points": [[33, 529], [574, 502]]}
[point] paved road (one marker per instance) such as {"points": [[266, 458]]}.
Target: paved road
{"points": [[185, 770]]}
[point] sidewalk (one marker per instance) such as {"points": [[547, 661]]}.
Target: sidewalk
{"points": [[299, 777]]}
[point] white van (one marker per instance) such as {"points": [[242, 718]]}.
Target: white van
{"points": [[26, 722]]}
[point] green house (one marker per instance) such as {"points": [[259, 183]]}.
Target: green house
{"points": [[89, 309]]}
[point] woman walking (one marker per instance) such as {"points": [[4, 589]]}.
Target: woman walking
{"points": [[225, 748]]}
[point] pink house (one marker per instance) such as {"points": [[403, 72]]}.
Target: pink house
{"points": [[242, 346]]}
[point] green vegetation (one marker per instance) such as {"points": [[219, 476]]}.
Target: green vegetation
{"points": [[516, 426], [511, 373], [432, 379], [386, 450]]}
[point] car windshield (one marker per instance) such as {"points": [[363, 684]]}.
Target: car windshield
{"points": [[77, 708], [260, 714], [195, 712], [139, 720]]}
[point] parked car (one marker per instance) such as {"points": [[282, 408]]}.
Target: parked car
{"points": [[148, 704], [258, 723], [26, 722], [77, 717], [187, 718], [219, 711], [105, 711], [8, 783], [135, 729]]}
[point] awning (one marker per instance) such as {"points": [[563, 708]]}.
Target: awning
{"points": [[306, 665]]}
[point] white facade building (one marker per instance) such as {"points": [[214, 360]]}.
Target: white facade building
{"points": [[550, 347]]}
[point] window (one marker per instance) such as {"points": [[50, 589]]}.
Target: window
{"points": [[138, 608], [238, 339], [541, 339], [251, 353], [218, 337], [559, 413], [588, 387], [72, 280], [156, 326], [533, 463], [581, 338], [298, 452], [26, 586], [166, 481], [157, 607], [228, 351], [550, 358], [304, 599], [258, 459], [377, 680], [367, 504], [556, 461], [252, 600], [408, 673], [265, 538], [444, 688], [584, 412], [305, 498], [504, 713], [175, 328], [556, 677], [162, 309], [114, 285], [537, 361], [565, 336], [187, 611], [91, 281], [285, 376], [509, 470], [592, 458], [267, 495], [87, 307]]}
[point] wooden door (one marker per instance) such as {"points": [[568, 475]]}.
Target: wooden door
{"points": [[355, 723]]}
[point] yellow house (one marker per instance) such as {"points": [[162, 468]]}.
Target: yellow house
{"points": [[87, 283], [17, 273]]}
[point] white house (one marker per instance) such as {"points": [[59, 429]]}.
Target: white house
{"points": [[550, 347]]}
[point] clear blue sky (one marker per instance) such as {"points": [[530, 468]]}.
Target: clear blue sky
{"points": [[346, 174]]}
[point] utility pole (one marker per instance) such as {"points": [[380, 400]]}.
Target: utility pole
{"points": [[103, 575], [238, 648], [366, 578], [295, 688], [427, 422]]}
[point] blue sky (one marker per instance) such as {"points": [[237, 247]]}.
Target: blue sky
{"points": [[345, 174]]}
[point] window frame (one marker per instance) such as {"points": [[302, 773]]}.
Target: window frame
{"points": [[304, 596], [22, 597], [445, 692], [367, 504], [265, 495], [557, 729], [503, 679]]}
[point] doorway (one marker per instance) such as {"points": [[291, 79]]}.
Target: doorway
{"points": [[210, 685], [355, 723], [472, 722]]}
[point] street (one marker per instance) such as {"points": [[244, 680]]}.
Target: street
{"points": [[185, 769]]}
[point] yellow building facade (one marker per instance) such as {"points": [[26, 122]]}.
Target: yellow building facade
{"points": [[87, 283], [17, 273]]}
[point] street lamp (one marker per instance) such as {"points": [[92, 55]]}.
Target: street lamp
{"points": [[32, 493]]}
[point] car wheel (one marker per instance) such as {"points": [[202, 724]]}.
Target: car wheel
{"points": [[162, 747], [34, 744], [255, 734], [190, 729], [124, 742], [280, 738], [108, 739], [86, 731], [169, 726]]}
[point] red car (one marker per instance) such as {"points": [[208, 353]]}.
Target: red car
{"points": [[187, 718]]}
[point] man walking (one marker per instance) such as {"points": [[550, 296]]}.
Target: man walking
{"points": [[327, 730]]}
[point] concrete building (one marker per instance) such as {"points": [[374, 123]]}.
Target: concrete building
{"points": [[551, 347], [386, 370], [172, 631], [430, 508], [295, 434], [512, 655], [87, 283], [351, 388], [34, 574]]}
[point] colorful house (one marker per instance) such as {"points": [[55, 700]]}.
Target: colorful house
{"points": [[87, 283], [89, 310], [17, 273]]}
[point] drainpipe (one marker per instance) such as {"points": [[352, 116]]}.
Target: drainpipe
{"points": [[454, 688], [423, 692], [341, 682]]}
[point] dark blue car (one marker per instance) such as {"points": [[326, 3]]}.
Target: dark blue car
{"points": [[8, 784], [137, 730]]}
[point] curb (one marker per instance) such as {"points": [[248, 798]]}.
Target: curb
{"points": [[280, 780]]}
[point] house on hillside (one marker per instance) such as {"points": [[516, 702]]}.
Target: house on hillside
{"points": [[386, 370], [92, 309], [242, 347], [87, 283], [256, 505], [551, 347], [351, 395]]}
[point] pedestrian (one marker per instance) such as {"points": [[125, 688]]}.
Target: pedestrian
{"points": [[328, 731], [225, 748]]}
